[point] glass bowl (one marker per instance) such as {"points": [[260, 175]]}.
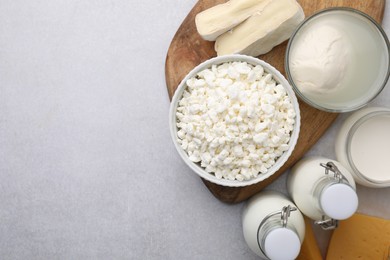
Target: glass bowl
{"points": [[337, 60], [361, 146]]}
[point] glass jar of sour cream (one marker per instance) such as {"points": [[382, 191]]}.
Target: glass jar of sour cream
{"points": [[338, 59], [363, 146]]}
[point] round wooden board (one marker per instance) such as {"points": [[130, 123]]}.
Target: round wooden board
{"points": [[188, 49]]}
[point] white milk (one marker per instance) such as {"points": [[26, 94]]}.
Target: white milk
{"points": [[265, 236], [370, 147], [318, 194], [360, 57], [363, 144]]}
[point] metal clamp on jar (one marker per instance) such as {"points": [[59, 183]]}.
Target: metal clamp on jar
{"points": [[323, 190], [273, 229], [273, 226]]}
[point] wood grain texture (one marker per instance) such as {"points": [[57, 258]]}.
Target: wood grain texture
{"points": [[188, 49]]}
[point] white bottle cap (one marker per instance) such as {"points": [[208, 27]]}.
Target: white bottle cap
{"points": [[339, 201], [282, 244]]}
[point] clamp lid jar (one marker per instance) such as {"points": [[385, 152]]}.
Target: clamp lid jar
{"points": [[273, 227], [323, 190]]}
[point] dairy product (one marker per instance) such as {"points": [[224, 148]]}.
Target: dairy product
{"points": [[309, 248], [362, 145], [370, 146], [273, 228], [263, 30], [323, 190], [221, 18], [235, 120], [338, 60], [320, 60], [361, 237]]}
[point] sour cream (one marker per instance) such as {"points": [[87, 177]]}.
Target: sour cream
{"points": [[320, 60], [338, 60]]}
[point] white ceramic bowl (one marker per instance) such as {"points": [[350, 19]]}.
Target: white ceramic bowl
{"points": [[196, 166]]}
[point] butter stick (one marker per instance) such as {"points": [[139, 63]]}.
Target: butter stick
{"points": [[221, 18], [263, 30]]}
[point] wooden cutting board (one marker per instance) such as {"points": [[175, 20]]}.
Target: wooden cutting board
{"points": [[188, 49]]}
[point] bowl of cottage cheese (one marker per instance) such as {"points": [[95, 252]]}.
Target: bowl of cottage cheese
{"points": [[234, 120]]}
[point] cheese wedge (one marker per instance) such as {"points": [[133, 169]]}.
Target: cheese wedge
{"points": [[263, 30], [360, 237], [221, 18], [309, 248]]}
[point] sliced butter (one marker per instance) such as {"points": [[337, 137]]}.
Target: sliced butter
{"points": [[263, 30], [221, 18]]}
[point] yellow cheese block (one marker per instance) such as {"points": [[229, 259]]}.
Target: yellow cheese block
{"points": [[309, 248], [360, 237]]}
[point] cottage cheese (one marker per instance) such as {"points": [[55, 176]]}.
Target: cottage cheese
{"points": [[235, 120]]}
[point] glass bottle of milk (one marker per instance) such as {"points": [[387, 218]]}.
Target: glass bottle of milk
{"points": [[323, 190], [273, 227]]}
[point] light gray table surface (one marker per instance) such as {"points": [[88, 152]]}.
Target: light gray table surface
{"points": [[87, 166]]}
